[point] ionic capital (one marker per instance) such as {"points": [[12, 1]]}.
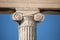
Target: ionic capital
{"points": [[27, 23], [18, 16]]}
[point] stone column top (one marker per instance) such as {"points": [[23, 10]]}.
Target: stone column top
{"points": [[7, 10], [18, 16]]}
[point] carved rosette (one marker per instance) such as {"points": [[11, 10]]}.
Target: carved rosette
{"points": [[17, 16], [38, 17], [27, 25]]}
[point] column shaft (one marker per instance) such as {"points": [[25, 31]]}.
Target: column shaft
{"points": [[27, 29], [27, 33]]}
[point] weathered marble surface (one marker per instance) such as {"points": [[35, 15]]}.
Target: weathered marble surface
{"points": [[30, 3], [27, 25]]}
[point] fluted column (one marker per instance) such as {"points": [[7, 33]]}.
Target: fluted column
{"points": [[27, 29], [27, 25]]}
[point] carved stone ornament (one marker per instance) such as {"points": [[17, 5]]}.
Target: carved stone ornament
{"points": [[17, 16], [27, 25], [38, 17]]}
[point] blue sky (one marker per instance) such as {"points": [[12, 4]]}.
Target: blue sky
{"points": [[49, 29]]}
